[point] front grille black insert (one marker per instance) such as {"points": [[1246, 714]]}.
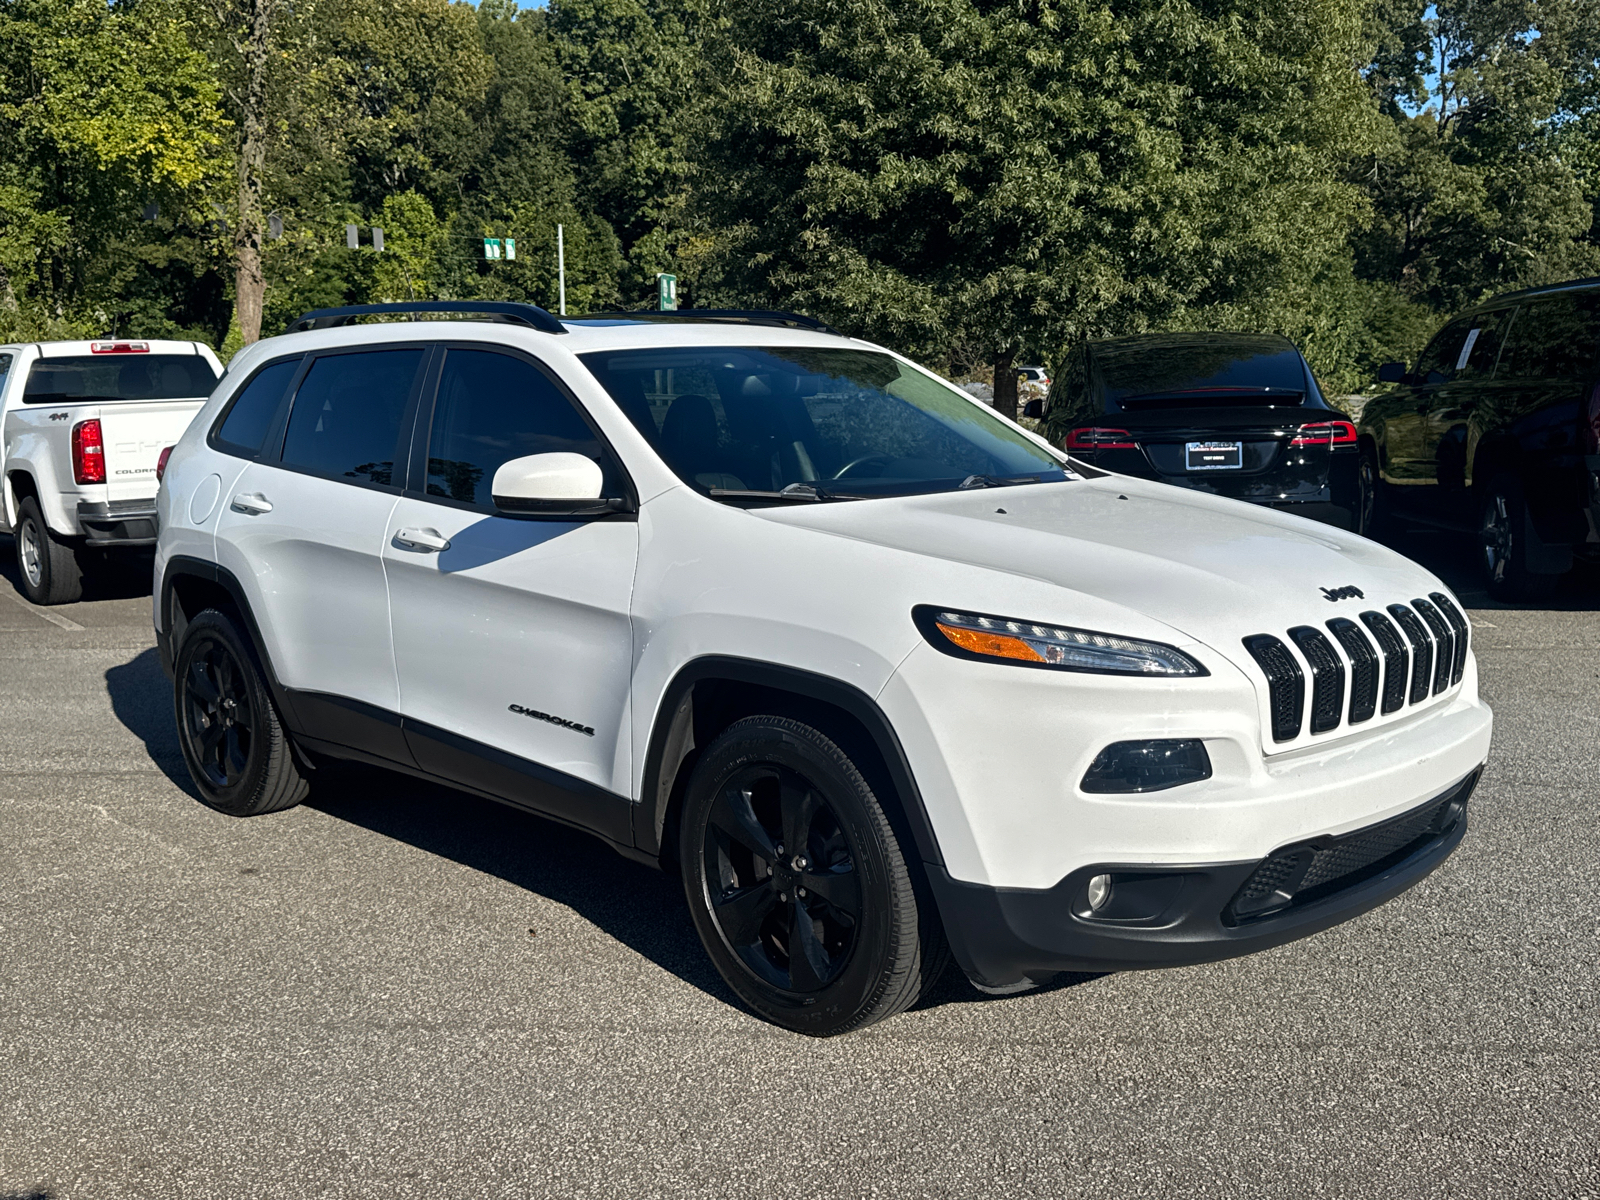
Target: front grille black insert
{"points": [[1363, 668], [1444, 637], [1459, 624], [1303, 874], [1285, 684], [1396, 660], [1421, 647], [1327, 678]]}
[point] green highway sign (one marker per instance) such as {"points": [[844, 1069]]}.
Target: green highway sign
{"points": [[667, 292], [491, 247]]}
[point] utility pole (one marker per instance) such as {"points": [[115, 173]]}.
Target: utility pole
{"points": [[561, 266]]}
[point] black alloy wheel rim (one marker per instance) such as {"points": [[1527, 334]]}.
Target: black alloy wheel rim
{"points": [[780, 878], [217, 713], [1497, 538], [1368, 496]]}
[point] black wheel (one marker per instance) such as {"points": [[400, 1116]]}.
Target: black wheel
{"points": [[1373, 518], [1505, 545], [234, 745], [797, 885], [50, 570]]}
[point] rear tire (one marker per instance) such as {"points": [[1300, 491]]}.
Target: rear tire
{"points": [[1373, 517], [236, 748], [1505, 545], [50, 569], [797, 885]]}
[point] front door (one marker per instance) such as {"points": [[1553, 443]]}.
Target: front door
{"points": [[512, 637]]}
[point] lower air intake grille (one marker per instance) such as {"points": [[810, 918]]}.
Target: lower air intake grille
{"points": [[1363, 668], [1303, 874], [1285, 684], [1327, 678], [1459, 624], [1396, 660], [1444, 638], [1421, 647]]}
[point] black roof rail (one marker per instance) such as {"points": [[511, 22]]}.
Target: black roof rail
{"points": [[496, 310], [1545, 289], [747, 316]]}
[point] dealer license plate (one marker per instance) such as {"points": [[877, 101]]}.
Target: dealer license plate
{"points": [[1214, 456]]}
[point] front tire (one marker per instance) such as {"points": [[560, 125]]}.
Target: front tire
{"points": [[1373, 518], [797, 885], [1505, 545], [236, 749], [50, 569]]}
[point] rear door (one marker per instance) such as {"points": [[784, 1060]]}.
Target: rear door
{"points": [[303, 532], [512, 635]]}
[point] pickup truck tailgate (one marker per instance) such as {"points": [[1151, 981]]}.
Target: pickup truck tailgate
{"points": [[135, 433]]}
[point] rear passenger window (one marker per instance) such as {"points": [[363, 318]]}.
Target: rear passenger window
{"points": [[345, 423], [1438, 361], [250, 414], [493, 408], [1555, 338]]}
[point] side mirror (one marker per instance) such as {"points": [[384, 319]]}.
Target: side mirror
{"points": [[1392, 372], [559, 484], [1033, 409]]}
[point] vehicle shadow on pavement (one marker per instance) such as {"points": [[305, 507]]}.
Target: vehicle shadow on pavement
{"points": [[124, 575], [1454, 558], [141, 698]]}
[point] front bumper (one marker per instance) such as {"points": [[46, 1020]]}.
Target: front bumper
{"points": [[118, 522], [1171, 915]]}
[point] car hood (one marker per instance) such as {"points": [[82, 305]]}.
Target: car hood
{"points": [[1214, 569]]}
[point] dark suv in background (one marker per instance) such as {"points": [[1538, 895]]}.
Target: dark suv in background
{"points": [[1497, 431], [1236, 414]]}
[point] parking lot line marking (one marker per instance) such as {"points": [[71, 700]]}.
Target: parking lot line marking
{"points": [[53, 618]]}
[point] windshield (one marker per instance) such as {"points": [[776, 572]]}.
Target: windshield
{"points": [[93, 377], [836, 421]]}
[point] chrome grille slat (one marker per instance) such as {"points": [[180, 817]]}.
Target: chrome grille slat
{"points": [[1421, 649], [1396, 660], [1364, 668]]}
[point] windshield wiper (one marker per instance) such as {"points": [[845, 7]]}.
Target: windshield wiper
{"points": [[977, 481], [804, 493]]}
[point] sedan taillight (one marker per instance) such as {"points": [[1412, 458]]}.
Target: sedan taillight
{"points": [[161, 463], [88, 453], [1334, 433], [1101, 439]]}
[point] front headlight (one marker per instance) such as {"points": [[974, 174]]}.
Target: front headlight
{"points": [[973, 635]]}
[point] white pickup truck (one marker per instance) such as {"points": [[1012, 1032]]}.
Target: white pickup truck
{"points": [[85, 425]]}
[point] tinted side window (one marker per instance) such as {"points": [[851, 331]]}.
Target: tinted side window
{"points": [[5, 365], [250, 413], [345, 423], [1553, 338], [1478, 354], [493, 408], [1438, 361]]}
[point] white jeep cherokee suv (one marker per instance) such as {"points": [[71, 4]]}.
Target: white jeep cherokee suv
{"points": [[882, 675]]}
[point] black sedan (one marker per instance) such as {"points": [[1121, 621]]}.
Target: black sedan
{"points": [[1236, 414]]}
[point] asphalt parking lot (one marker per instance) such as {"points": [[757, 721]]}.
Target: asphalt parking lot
{"points": [[396, 991]]}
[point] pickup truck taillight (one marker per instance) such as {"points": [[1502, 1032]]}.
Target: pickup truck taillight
{"points": [[1101, 439], [88, 453], [161, 463], [1337, 433]]}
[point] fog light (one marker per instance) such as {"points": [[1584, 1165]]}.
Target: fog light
{"points": [[1148, 766], [1099, 892]]}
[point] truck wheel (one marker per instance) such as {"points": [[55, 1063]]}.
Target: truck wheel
{"points": [[1505, 545], [236, 749], [796, 883], [1373, 518], [51, 572]]}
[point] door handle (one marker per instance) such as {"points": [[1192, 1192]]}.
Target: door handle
{"points": [[426, 540], [252, 504]]}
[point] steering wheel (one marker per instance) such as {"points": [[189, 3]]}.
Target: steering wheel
{"points": [[865, 458]]}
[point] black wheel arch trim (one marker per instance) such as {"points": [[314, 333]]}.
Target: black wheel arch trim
{"points": [[671, 740]]}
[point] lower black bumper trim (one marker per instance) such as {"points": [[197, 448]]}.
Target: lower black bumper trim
{"points": [[119, 522], [1006, 938]]}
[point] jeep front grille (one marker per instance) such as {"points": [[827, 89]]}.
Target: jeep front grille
{"points": [[1428, 652]]}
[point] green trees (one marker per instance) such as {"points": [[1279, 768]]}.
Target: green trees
{"points": [[970, 180]]}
